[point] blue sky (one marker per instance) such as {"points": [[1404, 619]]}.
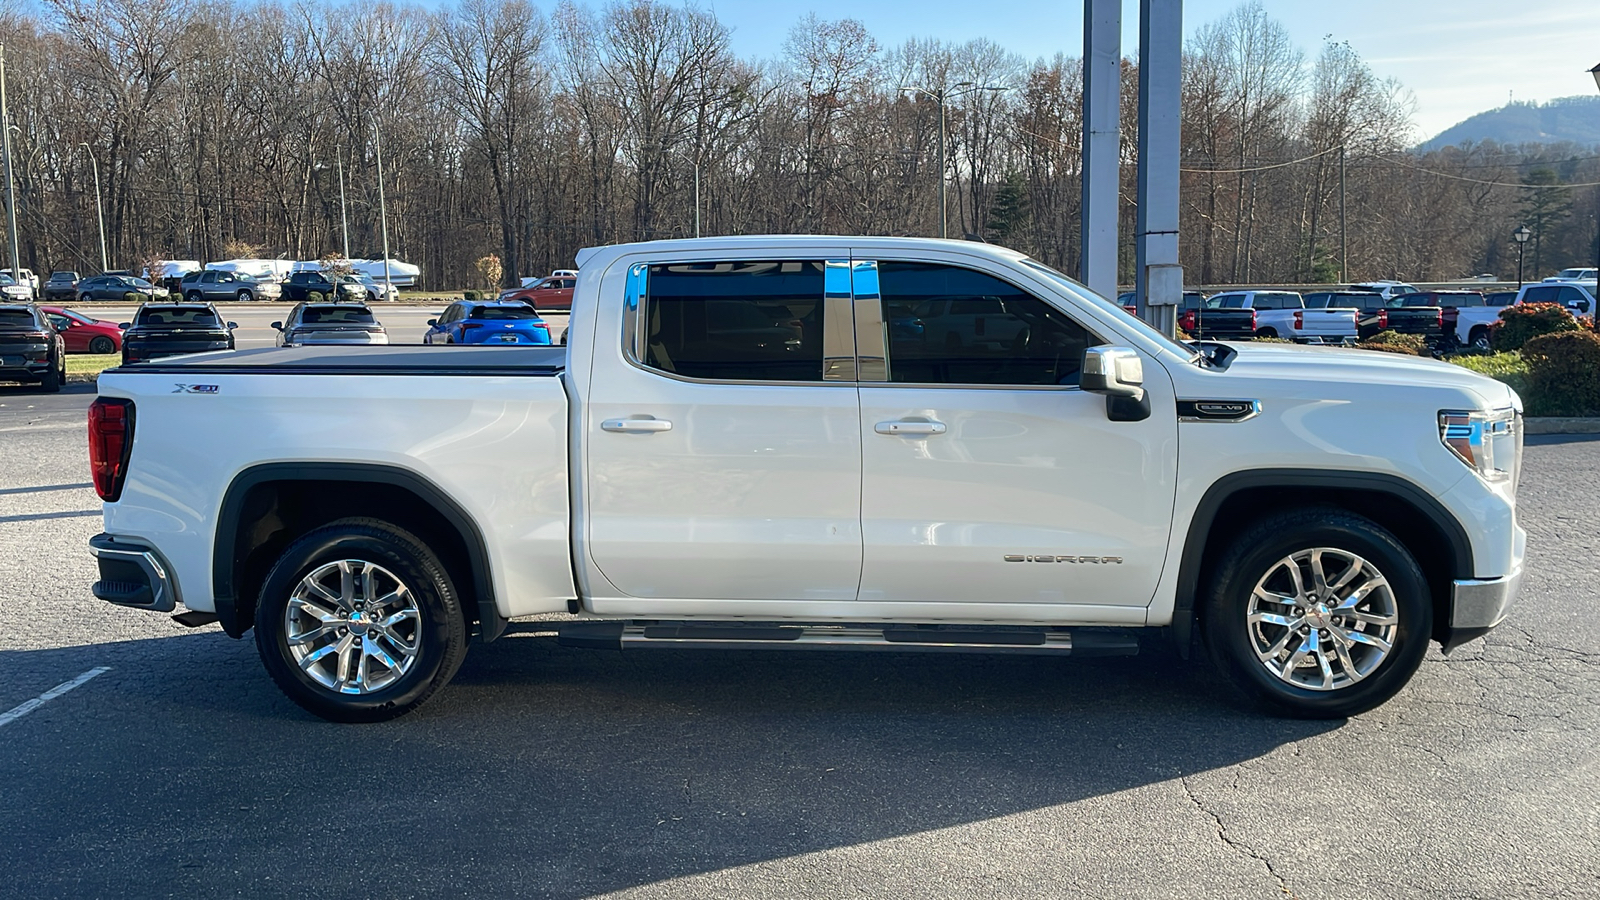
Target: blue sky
{"points": [[1459, 57]]}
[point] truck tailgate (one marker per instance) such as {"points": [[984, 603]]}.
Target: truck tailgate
{"points": [[1329, 324], [486, 426]]}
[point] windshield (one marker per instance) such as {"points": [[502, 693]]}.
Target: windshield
{"points": [[342, 315], [16, 318], [7, 280], [192, 317], [1081, 292]]}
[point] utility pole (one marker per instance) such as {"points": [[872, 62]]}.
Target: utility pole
{"points": [[344, 217], [697, 193], [1159, 275], [940, 96], [1344, 248], [383, 212], [99, 208], [11, 192]]}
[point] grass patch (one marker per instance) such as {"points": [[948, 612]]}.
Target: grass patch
{"points": [[1509, 368], [91, 363]]}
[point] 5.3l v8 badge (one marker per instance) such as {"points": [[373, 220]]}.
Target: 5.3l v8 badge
{"points": [[1098, 560]]}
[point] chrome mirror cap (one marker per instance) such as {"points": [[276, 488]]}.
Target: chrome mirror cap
{"points": [[1114, 372]]}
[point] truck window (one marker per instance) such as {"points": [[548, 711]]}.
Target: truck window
{"points": [[1540, 295], [738, 321], [979, 330]]}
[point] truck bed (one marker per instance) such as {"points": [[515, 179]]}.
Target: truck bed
{"points": [[365, 360]]}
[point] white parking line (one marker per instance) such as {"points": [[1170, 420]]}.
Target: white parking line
{"points": [[31, 705]]}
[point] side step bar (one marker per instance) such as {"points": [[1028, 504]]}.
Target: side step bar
{"points": [[898, 638]]}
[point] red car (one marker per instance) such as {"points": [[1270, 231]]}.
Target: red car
{"points": [[554, 292], [83, 334]]}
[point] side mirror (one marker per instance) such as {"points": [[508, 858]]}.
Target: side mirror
{"points": [[232, 325], [432, 322], [1118, 373], [124, 325], [277, 326]]}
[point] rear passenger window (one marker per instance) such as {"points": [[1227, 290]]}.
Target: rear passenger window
{"points": [[736, 321], [949, 325]]}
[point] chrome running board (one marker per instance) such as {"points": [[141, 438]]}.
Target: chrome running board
{"points": [[893, 638]]}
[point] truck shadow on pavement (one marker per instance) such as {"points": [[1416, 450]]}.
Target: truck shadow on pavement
{"points": [[547, 771]]}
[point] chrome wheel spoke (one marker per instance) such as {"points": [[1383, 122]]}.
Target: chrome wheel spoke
{"points": [[1306, 635], [359, 640]]}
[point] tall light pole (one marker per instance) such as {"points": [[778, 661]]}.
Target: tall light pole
{"points": [[383, 212], [1344, 245], [99, 208], [939, 96], [11, 192], [344, 217], [1596, 73], [1521, 236]]}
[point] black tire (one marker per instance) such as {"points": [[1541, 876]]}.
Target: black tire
{"points": [[191, 297], [244, 297], [1256, 555], [1267, 333], [102, 345], [51, 381], [85, 298], [440, 632], [1478, 338]]}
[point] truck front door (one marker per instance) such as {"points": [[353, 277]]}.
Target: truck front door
{"points": [[724, 447], [988, 476]]}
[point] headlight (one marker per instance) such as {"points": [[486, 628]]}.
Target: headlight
{"points": [[1488, 441]]}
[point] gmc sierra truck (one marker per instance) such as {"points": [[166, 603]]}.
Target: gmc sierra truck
{"points": [[759, 442]]}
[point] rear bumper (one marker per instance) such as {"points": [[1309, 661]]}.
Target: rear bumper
{"points": [[133, 574]]}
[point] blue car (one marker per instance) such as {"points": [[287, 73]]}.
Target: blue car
{"points": [[488, 322]]}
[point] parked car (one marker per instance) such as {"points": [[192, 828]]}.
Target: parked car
{"points": [[12, 292], [25, 277], [1375, 314], [82, 333], [301, 285], [116, 287], [1129, 300], [61, 286], [553, 292], [30, 349], [1577, 297], [1580, 273], [487, 322], [1241, 315], [1389, 290], [1317, 519], [330, 323], [164, 329], [377, 291], [208, 285], [1449, 305]]}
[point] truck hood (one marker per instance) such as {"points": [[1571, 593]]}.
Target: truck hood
{"points": [[1331, 372]]}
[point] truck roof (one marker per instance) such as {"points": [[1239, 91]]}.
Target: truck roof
{"points": [[767, 244]]}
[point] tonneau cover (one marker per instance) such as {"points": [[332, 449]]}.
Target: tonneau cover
{"points": [[537, 361]]}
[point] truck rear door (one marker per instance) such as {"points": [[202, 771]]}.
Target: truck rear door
{"points": [[723, 446]]}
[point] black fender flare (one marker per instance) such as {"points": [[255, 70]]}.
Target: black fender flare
{"points": [[1192, 559], [224, 561]]}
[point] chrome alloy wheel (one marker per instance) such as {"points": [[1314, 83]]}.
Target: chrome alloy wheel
{"points": [[1322, 619], [353, 627]]}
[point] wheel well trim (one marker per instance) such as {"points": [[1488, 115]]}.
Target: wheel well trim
{"points": [[491, 623], [1217, 494]]}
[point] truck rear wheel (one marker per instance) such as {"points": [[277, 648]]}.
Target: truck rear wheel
{"points": [[1317, 613], [358, 622]]}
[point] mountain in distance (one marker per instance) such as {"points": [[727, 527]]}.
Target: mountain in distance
{"points": [[1575, 119]]}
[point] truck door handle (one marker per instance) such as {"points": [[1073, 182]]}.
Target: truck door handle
{"points": [[635, 426], [905, 427]]}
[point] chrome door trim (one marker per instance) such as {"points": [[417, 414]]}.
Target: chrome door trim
{"points": [[872, 357], [838, 333]]}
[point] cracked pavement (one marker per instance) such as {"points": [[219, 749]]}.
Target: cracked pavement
{"points": [[552, 772]]}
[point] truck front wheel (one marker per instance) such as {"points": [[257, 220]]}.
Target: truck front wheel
{"points": [[1317, 613], [359, 622]]}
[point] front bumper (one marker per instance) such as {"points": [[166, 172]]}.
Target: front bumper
{"points": [[1478, 605], [133, 574]]}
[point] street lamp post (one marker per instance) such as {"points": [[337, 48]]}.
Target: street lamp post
{"points": [[383, 212], [11, 193], [1521, 236], [1596, 73], [940, 95], [99, 208], [344, 217]]}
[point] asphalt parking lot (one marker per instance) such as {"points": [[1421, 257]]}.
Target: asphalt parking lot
{"points": [[545, 771]]}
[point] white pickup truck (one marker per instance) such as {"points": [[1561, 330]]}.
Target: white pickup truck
{"points": [[1240, 315], [793, 442]]}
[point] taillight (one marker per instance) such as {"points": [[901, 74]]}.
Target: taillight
{"points": [[1383, 318], [1253, 320], [1299, 319], [110, 440], [1441, 318], [1186, 319]]}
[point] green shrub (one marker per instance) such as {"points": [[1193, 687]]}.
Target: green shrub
{"points": [[1509, 368], [1395, 342], [316, 297], [1563, 374], [471, 296], [135, 297], [1272, 340], [1529, 320]]}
